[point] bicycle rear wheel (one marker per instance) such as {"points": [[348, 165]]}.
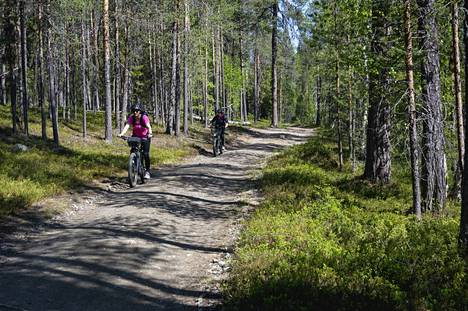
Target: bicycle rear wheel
{"points": [[132, 169]]}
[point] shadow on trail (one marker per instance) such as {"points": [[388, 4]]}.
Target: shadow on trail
{"points": [[96, 266], [127, 254]]}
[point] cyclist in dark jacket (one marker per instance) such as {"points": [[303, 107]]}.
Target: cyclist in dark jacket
{"points": [[220, 122]]}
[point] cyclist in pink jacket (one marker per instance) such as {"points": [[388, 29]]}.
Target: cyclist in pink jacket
{"points": [[141, 128]]}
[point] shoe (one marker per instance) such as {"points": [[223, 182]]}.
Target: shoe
{"points": [[147, 175], [223, 148]]}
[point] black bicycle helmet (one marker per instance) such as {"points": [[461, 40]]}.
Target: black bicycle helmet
{"points": [[220, 111], [136, 107]]}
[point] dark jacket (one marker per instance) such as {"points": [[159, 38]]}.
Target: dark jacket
{"points": [[219, 121]]}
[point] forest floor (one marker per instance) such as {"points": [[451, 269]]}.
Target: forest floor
{"points": [[162, 245]]}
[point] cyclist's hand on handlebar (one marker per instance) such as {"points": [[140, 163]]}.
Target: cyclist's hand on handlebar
{"points": [[150, 135]]}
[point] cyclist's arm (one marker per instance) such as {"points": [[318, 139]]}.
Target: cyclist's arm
{"points": [[124, 130], [150, 130]]}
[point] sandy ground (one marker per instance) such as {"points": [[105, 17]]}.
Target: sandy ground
{"points": [[164, 245]]}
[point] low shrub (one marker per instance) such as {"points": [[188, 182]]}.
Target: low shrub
{"points": [[325, 240]]}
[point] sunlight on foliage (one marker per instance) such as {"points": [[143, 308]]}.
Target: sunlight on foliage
{"points": [[327, 240]]}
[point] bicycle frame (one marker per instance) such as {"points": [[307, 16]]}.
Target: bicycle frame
{"points": [[216, 136], [136, 167]]}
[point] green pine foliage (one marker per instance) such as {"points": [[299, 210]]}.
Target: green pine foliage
{"points": [[326, 240]]}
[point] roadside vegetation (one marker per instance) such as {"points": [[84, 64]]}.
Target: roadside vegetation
{"points": [[42, 171], [325, 239]]}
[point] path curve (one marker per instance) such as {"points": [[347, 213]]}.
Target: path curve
{"points": [[159, 246]]}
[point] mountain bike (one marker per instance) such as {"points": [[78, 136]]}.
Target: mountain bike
{"points": [[216, 139], [136, 168]]}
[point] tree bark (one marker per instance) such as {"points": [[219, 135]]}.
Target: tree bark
{"points": [[67, 81], [205, 84], [274, 81], [84, 76], [24, 67], [215, 69], [170, 116], [378, 160], [95, 65], [338, 91], [3, 91], [318, 116], [40, 65], [51, 74], [256, 84], [178, 86], [413, 131], [117, 73], [108, 112], [126, 81], [434, 164], [458, 101], [9, 31], [186, 71], [463, 236], [350, 118]]}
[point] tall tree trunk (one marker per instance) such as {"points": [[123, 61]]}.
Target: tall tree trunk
{"points": [[378, 161], [463, 237], [434, 165], [162, 85], [84, 75], [274, 81], [318, 116], [215, 69], [172, 106], [156, 101], [205, 84], [221, 69], [107, 83], [117, 73], [458, 102], [40, 60], [256, 84], [3, 91], [186, 71], [413, 131], [51, 74], [24, 67], [350, 117], [9, 31], [241, 63], [126, 81], [338, 90], [67, 80], [95, 64], [73, 91], [178, 86]]}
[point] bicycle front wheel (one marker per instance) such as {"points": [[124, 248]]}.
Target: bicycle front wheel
{"points": [[141, 169], [215, 146], [132, 169]]}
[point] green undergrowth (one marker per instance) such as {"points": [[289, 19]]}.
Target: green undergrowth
{"points": [[44, 171], [328, 240]]}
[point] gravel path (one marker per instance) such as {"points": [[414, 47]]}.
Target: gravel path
{"points": [[159, 246]]}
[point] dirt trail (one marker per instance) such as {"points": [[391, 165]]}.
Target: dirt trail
{"points": [[158, 246]]}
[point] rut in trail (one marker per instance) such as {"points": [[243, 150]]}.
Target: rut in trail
{"points": [[158, 246]]}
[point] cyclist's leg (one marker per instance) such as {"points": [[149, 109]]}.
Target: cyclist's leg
{"points": [[146, 153], [222, 136]]}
